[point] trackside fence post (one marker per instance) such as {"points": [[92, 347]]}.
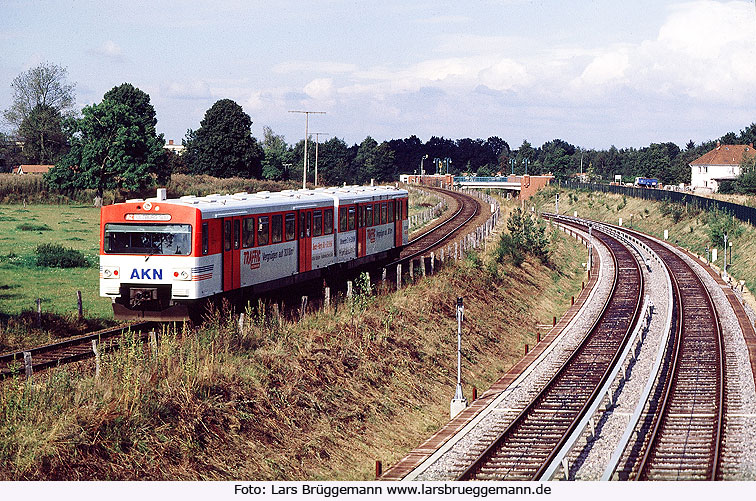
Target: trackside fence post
{"points": [[80, 304], [96, 352], [28, 365], [398, 276]]}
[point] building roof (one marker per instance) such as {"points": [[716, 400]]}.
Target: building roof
{"points": [[34, 169], [726, 154]]}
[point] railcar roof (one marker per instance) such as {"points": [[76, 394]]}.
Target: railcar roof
{"points": [[217, 205]]}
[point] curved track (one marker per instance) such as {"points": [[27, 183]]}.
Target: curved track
{"points": [[529, 444], [681, 439], [469, 208]]}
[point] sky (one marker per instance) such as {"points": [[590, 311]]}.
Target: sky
{"points": [[593, 73]]}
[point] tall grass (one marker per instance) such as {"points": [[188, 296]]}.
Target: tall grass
{"points": [[271, 398]]}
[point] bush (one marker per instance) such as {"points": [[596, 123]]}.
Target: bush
{"points": [[57, 256], [526, 236], [33, 227]]}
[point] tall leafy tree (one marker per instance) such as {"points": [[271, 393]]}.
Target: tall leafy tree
{"points": [[42, 135], [223, 146], [278, 157], [137, 101], [112, 147], [42, 85]]}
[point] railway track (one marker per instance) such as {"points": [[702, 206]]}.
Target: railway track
{"points": [[81, 347], [469, 208], [68, 350], [525, 449], [681, 439]]}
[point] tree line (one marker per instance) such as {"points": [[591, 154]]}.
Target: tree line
{"points": [[114, 144]]}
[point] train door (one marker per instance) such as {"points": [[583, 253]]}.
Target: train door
{"points": [[231, 253], [361, 224], [395, 207], [305, 240]]}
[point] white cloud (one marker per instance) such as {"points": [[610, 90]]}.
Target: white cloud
{"points": [[323, 67], [111, 50], [320, 88], [504, 75], [186, 90]]}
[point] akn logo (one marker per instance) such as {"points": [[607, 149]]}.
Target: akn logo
{"points": [[371, 235], [146, 274], [252, 258]]}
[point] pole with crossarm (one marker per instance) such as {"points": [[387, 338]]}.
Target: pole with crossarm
{"points": [[317, 136], [307, 124]]}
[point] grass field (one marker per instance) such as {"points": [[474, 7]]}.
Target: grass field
{"points": [[22, 229]]}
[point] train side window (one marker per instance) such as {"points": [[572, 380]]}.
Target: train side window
{"points": [[276, 228], [227, 235], [301, 224], [328, 222], [343, 218], [237, 233], [317, 223], [205, 239], [391, 211], [384, 215], [369, 215], [351, 218], [398, 210], [291, 226], [262, 230], [248, 232]]}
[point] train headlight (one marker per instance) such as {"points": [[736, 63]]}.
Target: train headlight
{"points": [[111, 272], [182, 274]]}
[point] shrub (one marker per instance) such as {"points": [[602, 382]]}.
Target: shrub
{"points": [[57, 256], [526, 236], [33, 227]]}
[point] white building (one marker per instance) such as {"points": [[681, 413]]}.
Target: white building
{"points": [[721, 163], [176, 148]]}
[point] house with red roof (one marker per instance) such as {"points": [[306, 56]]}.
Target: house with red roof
{"points": [[33, 169], [721, 163]]}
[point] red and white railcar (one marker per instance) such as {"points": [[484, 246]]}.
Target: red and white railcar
{"points": [[159, 257]]}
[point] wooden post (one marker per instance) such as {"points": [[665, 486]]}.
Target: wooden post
{"points": [[554, 325], [378, 469], [39, 312], [398, 276], [526, 349], [80, 304], [572, 300], [474, 394], [303, 308], [97, 358], [412, 269], [28, 365], [153, 343]]}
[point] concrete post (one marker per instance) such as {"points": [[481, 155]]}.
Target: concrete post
{"points": [[398, 276], [349, 288], [327, 297], [432, 263]]}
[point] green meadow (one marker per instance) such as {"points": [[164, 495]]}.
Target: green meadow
{"points": [[22, 229]]}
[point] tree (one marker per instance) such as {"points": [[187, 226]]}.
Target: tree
{"points": [[223, 146], [277, 161], [10, 153], [43, 85], [373, 160], [111, 148], [42, 135], [334, 160], [137, 101]]}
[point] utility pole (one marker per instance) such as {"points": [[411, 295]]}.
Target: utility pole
{"points": [[725, 256], [307, 123], [317, 135], [421, 165]]}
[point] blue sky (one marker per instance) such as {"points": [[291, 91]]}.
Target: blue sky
{"points": [[594, 73]]}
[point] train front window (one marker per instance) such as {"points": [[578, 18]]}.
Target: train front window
{"points": [[152, 239]]}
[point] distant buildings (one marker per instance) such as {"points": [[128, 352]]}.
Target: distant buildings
{"points": [[721, 163], [175, 148], [33, 169]]}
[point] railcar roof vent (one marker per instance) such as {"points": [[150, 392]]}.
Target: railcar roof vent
{"points": [[162, 194]]}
